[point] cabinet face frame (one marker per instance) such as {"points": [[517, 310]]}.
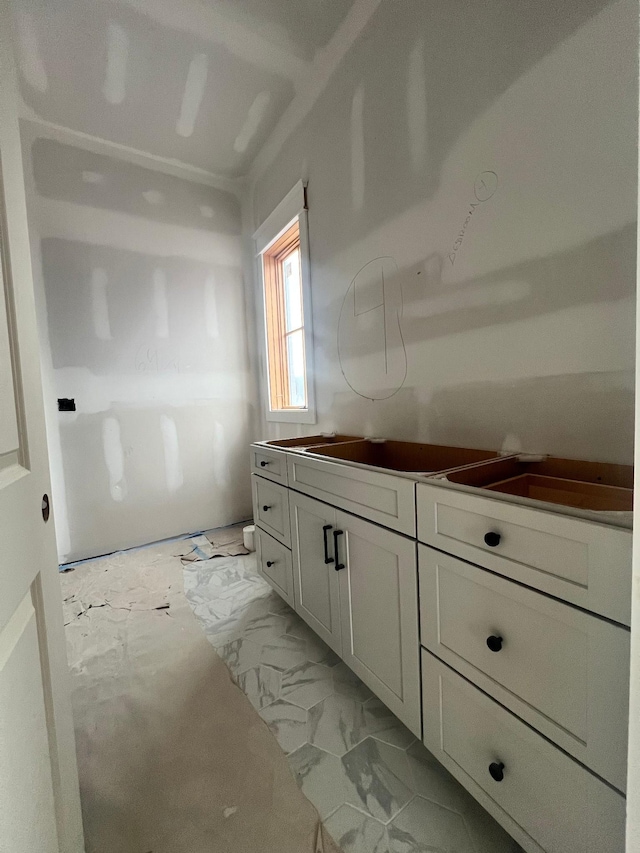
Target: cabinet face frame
{"points": [[580, 562], [312, 577], [575, 650], [540, 780], [391, 639], [280, 575], [271, 508]]}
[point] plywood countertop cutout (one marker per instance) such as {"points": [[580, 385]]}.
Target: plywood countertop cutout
{"points": [[371, 349]]}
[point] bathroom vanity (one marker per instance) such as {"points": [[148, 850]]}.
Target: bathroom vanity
{"points": [[485, 599]]}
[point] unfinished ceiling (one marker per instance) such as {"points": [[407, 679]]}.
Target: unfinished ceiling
{"points": [[199, 81]]}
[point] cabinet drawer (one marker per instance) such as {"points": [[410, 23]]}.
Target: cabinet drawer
{"points": [[274, 564], [383, 498], [562, 670], [271, 508], [271, 464], [548, 802], [581, 562]]}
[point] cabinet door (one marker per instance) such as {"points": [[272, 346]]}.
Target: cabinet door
{"points": [[315, 580], [379, 605]]}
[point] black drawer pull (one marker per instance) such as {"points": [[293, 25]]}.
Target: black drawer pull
{"points": [[492, 539], [263, 464], [270, 563], [337, 533], [495, 642], [265, 508], [327, 558], [496, 770]]}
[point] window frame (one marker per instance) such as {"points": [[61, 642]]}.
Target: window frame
{"points": [[292, 208]]}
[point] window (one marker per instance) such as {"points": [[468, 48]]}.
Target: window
{"points": [[283, 251], [282, 276]]}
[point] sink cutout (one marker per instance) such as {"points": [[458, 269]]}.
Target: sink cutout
{"points": [[304, 441], [405, 455], [596, 486]]}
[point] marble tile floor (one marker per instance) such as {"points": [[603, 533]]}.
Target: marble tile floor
{"points": [[377, 789]]}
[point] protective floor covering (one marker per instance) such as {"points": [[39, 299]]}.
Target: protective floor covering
{"points": [[172, 756]]}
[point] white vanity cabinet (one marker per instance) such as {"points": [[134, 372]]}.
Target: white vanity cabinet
{"points": [[378, 593], [315, 579], [356, 585], [274, 564], [495, 630]]}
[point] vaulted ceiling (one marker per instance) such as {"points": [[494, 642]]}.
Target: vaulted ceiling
{"points": [[203, 82]]}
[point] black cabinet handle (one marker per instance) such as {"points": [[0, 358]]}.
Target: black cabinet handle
{"points": [[327, 558], [492, 539], [496, 771], [337, 533], [265, 508], [495, 642], [263, 464], [270, 563]]}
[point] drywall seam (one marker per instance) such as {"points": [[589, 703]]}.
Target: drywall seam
{"points": [[100, 227], [193, 93], [167, 165], [318, 75], [207, 22]]}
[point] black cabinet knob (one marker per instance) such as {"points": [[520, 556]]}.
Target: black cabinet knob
{"points": [[270, 563], [494, 642], [492, 539], [496, 771], [263, 464], [265, 508]]}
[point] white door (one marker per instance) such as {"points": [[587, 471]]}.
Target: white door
{"points": [[39, 801], [315, 579], [379, 602]]}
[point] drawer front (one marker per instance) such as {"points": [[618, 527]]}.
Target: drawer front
{"points": [[271, 508], [548, 802], [274, 564], [383, 498], [581, 562], [564, 671], [271, 464]]}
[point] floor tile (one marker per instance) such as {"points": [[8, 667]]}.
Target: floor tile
{"points": [[383, 725], [288, 723], [337, 724], [278, 605], [261, 685], [487, 835], [354, 832], [321, 777], [423, 826], [380, 777], [433, 782], [347, 682], [284, 652], [319, 652], [240, 655], [306, 685], [264, 628]]}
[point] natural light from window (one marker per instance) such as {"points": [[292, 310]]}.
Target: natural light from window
{"points": [[282, 274]]}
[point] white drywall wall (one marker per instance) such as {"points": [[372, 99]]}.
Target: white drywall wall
{"points": [[487, 153], [143, 323]]}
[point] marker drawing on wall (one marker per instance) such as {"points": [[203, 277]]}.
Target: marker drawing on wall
{"points": [[371, 349], [484, 187]]}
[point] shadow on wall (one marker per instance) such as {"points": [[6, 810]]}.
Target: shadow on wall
{"points": [[596, 410], [71, 174], [397, 416], [601, 270], [136, 475], [413, 84]]}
